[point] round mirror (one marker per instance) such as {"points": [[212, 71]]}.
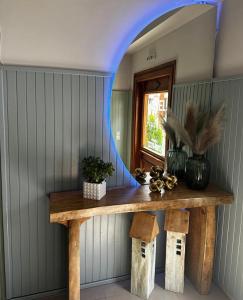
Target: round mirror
{"points": [[176, 48]]}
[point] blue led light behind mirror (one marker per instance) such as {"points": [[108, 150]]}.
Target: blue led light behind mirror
{"points": [[120, 108]]}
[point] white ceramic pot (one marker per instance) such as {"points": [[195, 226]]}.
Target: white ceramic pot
{"points": [[94, 190]]}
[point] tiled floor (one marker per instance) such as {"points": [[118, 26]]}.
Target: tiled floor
{"points": [[120, 291]]}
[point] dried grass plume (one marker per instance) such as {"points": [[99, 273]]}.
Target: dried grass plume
{"points": [[200, 131], [211, 133]]}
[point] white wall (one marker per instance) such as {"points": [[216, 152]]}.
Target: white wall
{"points": [[124, 74], [192, 46], [229, 51]]}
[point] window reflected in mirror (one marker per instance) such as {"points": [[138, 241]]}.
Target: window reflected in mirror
{"points": [[155, 110]]}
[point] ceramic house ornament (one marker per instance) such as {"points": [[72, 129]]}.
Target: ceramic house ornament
{"points": [[143, 232], [177, 226]]}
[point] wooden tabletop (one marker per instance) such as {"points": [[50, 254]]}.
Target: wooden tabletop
{"points": [[66, 206]]}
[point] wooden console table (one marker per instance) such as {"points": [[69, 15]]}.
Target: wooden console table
{"points": [[71, 210]]}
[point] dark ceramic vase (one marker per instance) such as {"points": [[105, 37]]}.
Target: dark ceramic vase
{"points": [[176, 162], [197, 172]]}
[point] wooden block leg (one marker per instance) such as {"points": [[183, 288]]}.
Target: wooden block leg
{"points": [[175, 261], [74, 260], [176, 225], [143, 268], [200, 248]]}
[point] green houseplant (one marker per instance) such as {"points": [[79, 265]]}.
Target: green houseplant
{"points": [[95, 172]]}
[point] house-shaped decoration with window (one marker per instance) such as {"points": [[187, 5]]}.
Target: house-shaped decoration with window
{"points": [[143, 233], [177, 226]]}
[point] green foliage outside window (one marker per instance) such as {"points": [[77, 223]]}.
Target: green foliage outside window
{"points": [[154, 133]]}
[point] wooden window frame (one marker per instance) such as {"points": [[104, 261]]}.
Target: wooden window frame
{"points": [[137, 107]]}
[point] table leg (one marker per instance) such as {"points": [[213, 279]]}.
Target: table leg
{"points": [[74, 260], [200, 247]]}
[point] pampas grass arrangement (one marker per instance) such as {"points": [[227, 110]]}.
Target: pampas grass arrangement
{"points": [[172, 135], [200, 131]]}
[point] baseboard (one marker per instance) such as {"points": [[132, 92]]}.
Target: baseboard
{"points": [[62, 291], [83, 286]]}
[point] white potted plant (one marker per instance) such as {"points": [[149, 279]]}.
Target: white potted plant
{"points": [[95, 171]]}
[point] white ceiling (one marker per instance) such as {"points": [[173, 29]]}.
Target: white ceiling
{"points": [[82, 34]]}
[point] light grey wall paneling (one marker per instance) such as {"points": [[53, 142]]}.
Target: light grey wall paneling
{"points": [[2, 270], [227, 162], [50, 120], [121, 123], [196, 92], [227, 165]]}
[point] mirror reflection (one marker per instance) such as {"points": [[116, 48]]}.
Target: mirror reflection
{"points": [[176, 48], [155, 107]]}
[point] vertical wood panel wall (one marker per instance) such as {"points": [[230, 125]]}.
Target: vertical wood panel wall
{"points": [[50, 120], [121, 122], [227, 171], [2, 271]]}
